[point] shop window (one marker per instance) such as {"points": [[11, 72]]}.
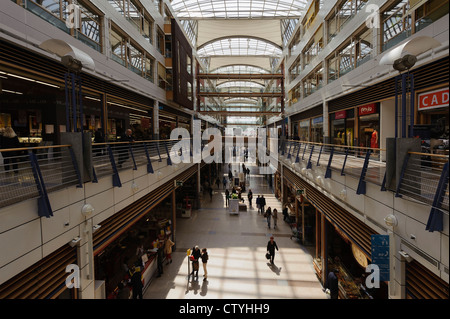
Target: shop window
{"points": [[295, 69], [134, 59], [304, 130], [294, 43]]}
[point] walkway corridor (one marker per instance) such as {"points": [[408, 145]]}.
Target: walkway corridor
{"points": [[237, 267]]}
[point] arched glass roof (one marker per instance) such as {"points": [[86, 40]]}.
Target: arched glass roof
{"points": [[246, 84], [240, 69], [240, 47], [238, 9]]}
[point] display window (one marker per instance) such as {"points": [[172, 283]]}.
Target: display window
{"points": [[342, 127], [304, 130], [317, 129], [134, 249]]}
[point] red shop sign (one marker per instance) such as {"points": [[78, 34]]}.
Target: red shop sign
{"points": [[340, 115], [433, 100], [367, 109]]}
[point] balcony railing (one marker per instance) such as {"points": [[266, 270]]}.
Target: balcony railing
{"points": [[423, 178], [33, 172]]}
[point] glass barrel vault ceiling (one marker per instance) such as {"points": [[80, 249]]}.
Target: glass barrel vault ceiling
{"points": [[237, 9], [231, 49]]}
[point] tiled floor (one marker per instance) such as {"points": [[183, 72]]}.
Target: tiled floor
{"points": [[237, 268]]}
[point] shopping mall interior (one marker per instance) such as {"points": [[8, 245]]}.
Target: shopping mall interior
{"points": [[224, 150]]}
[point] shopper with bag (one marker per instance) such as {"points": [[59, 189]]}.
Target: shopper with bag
{"points": [[271, 246]]}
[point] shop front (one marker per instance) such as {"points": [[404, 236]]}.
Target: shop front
{"points": [[369, 125], [340, 239], [135, 249], [433, 120], [342, 124]]}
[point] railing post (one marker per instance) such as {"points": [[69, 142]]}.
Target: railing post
{"points": [[435, 220], [362, 183], [297, 159], [304, 150], [309, 165], [44, 207], [289, 152], [169, 161], [345, 161], [149, 161], [116, 177], [402, 173], [320, 153], [75, 165], [328, 172], [132, 157]]}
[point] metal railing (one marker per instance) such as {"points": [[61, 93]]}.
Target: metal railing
{"points": [[33, 171], [424, 176], [361, 162]]}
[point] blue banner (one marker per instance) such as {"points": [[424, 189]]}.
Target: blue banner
{"points": [[380, 255]]}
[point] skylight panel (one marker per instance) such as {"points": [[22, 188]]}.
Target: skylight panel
{"points": [[238, 9]]}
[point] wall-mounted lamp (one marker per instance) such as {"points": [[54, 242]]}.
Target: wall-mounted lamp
{"points": [[134, 187], [391, 220], [87, 210], [343, 194], [95, 228]]}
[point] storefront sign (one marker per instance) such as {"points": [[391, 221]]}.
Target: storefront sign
{"points": [[367, 109], [380, 255], [340, 115], [434, 99]]}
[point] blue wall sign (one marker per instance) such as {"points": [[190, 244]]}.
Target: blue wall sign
{"points": [[380, 255]]}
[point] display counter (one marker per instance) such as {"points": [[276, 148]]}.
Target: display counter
{"points": [[349, 287]]}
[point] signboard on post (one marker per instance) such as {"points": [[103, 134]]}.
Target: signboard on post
{"points": [[380, 255]]}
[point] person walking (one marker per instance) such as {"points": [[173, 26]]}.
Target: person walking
{"points": [[271, 246], [196, 254], [168, 250], [333, 284], [224, 181], [159, 258], [10, 140], [210, 193], [204, 262], [123, 148], [250, 196], [136, 283], [262, 203], [275, 217], [268, 215], [258, 203], [227, 197], [217, 182]]}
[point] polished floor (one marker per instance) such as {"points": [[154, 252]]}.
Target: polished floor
{"points": [[237, 267]]}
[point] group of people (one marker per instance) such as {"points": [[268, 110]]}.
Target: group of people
{"points": [[195, 256]]}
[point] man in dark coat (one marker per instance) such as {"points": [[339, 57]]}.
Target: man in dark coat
{"points": [[333, 284], [262, 203], [136, 283], [271, 246], [123, 148]]}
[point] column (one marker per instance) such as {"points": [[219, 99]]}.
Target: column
{"points": [[326, 124], [156, 120]]}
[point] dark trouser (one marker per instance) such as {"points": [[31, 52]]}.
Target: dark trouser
{"points": [[272, 256], [137, 293]]}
